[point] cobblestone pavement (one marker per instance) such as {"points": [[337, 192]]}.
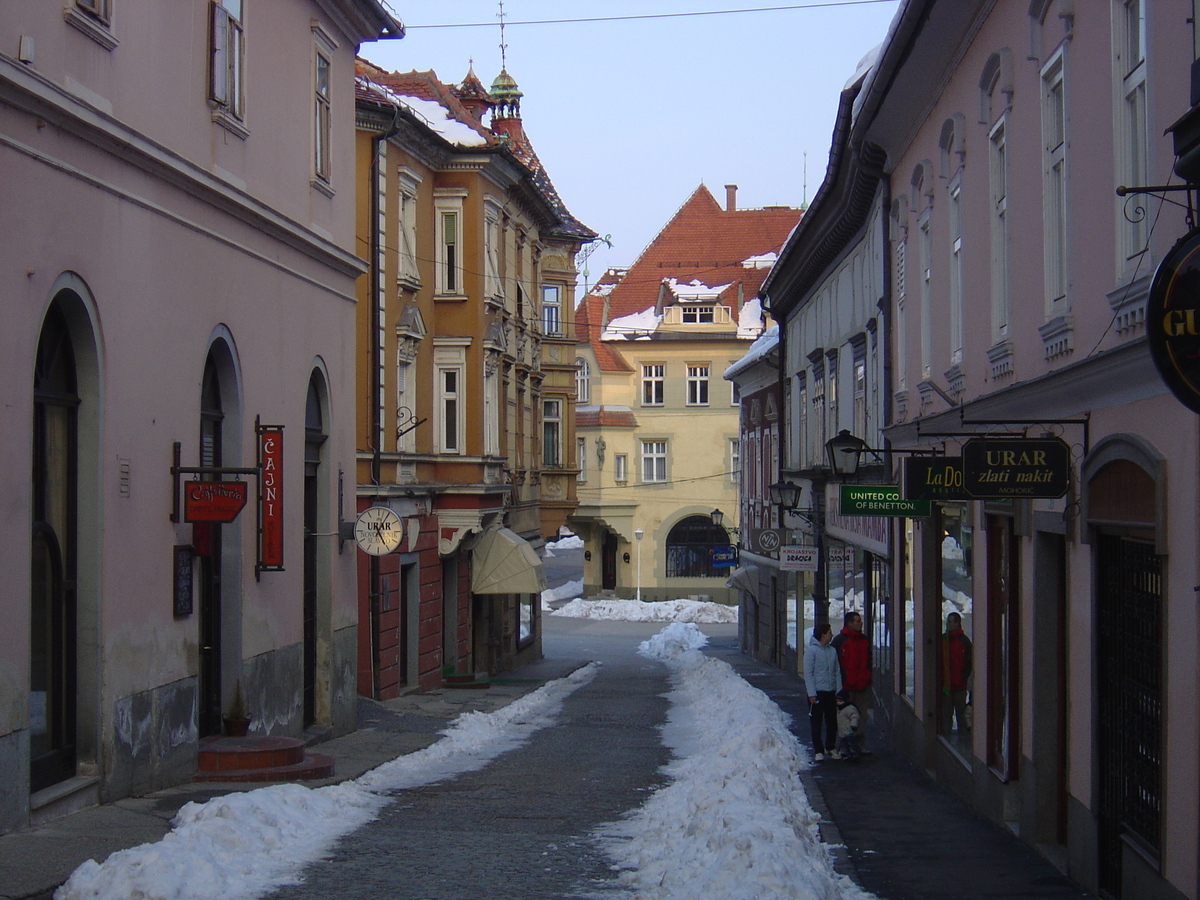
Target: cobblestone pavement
{"points": [[521, 827]]}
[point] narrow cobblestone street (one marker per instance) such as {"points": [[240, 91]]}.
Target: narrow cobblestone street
{"points": [[521, 827]]}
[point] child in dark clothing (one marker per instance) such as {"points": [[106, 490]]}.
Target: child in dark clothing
{"points": [[847, 732]]}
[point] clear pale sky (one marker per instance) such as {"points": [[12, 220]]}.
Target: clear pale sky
{"points": [[629, 117]]}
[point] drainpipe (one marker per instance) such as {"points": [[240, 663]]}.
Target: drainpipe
{"points": [[376, 404]]}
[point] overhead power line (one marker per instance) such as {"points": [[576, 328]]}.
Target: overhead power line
{"points": [[707, 12]]}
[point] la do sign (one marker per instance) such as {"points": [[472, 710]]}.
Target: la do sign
{"points": [[1173, 320]]}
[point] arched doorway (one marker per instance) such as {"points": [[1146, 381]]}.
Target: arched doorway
{"points": [[1124, 486], [315, 434], [54, 557]]}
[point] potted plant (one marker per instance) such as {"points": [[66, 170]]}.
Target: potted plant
{"points": [[237, 720]]}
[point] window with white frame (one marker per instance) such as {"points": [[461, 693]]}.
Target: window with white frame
{"points": [[654, 461], [901, 318], [817, 422], [94, 19], [551, 309], [697, 385], [227, 63], [735, 459], [449, 358], [653, 376], [581, 458], [831, 397], [404, 404], [998, 170], [1054, 192], [491, 405], [448, 212], [407, 215], [860, 393], [321, 117], [955, 279], [552, 433], [97, 9], [925, 247], [492, 242], [697, 315], [1129, 46], [620, 468], [583, 380], [798, 453]]}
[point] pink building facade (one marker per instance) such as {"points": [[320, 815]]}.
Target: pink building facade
{"points": [[1019, 281], [178, 226]]}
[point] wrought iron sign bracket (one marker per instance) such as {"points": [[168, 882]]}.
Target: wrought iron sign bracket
{"points": [[177, 470], [1138, 212]]}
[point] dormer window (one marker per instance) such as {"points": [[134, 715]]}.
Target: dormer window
{"points": [[698, 315]]}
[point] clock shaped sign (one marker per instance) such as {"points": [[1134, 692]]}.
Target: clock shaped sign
{"points": [[378, 530]]}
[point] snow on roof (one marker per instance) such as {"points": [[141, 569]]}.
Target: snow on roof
{"points": [[762, 261], [694, 290], [766, 342], [432, 113], [632, 327], [750, 319]]}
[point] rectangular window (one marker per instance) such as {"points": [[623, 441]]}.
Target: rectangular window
{"points": [[1054, 213], [321, 120], [901, 319], [652, 385], [581, 458], [697, 315], [98, 9], [956, 295], [654, 461], [448, 241], [735, 459], [831, 402], [552, 433], [1129, 38], [860, 397], [817, 423], [227, 56], [492, 240], [450, 252], [551, 309], [926, 261], [407, 211], [697, 385], [449, 381], [620, 468], [999, 178]]}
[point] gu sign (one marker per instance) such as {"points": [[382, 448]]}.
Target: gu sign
{"points": [[1173, 320]]}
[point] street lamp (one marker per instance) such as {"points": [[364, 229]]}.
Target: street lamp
{"points": [[637, 536], [845, 451]]}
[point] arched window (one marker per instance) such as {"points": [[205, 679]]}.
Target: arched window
{"points": [[689, 548], [583, 381], [315, 434]]}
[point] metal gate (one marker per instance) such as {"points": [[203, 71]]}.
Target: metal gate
{"points": [[1129, 650]]}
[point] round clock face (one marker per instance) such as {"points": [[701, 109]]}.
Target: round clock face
{"points": [[378, 530]]}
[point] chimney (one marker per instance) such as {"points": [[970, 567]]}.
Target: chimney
{"points": [[730, 197]]}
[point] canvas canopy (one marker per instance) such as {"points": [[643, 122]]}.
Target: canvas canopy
{"points": [[744, 578], [504, 563]]}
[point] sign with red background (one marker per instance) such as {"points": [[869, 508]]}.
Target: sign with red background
{"points": [[270, 496]]}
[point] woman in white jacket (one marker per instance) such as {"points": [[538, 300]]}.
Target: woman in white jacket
{"points": [[822, 680]]}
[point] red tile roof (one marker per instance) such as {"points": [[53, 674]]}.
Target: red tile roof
{"points": [[701, 242]]}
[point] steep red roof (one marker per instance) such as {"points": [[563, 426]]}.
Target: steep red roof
{"points": [[595, 416], [701, 242]]}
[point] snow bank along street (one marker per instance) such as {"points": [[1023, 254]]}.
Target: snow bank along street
{"points": [[733, 822]]}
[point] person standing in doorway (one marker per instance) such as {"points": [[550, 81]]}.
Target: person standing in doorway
{"points": [[822, 680], [956, 675], [854, 656]]}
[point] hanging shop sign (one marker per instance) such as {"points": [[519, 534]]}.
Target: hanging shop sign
{"points": [[724, 556], [934, 478], [1173, 320], [270, 497], [799, 559], [213, 501], [1007, 468], [880, 500], [766, 540]]}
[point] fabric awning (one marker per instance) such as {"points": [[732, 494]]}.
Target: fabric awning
{"points": [[504, 563], [744, 578]]}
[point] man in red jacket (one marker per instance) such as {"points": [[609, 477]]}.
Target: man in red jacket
{"points": [[854, 654]]}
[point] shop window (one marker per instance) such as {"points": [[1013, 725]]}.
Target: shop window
{"points": [[956, 656], [689, 548]]}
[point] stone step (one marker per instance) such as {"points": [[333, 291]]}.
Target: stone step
{"points": [[259, 758]]}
